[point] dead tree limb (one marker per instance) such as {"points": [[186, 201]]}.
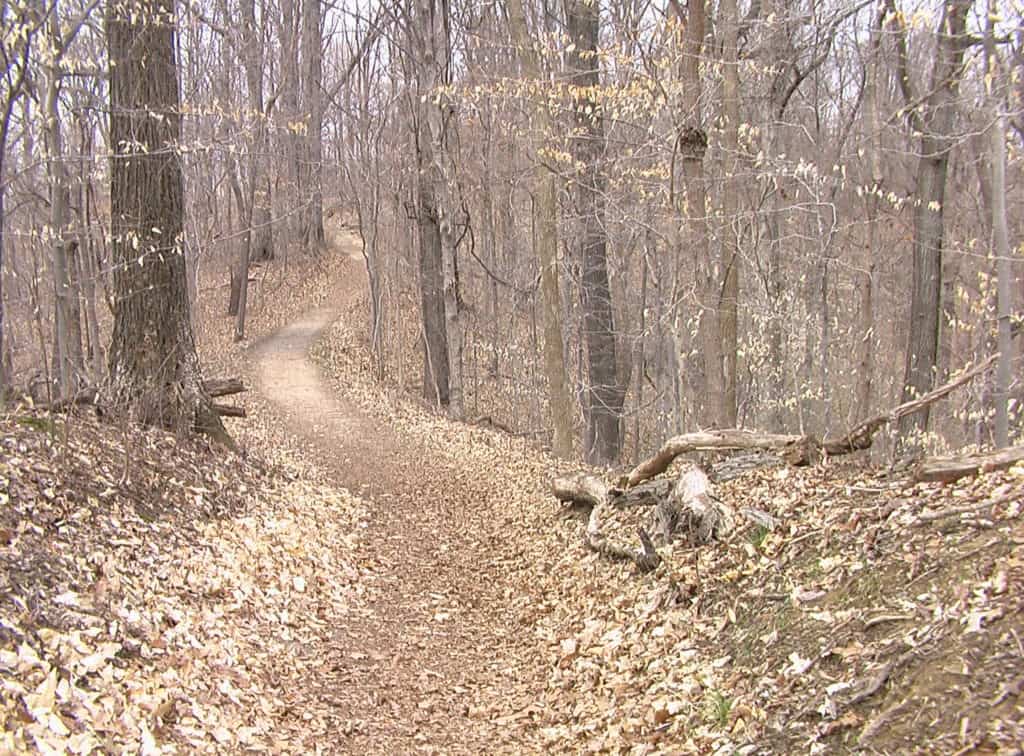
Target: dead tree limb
{"points": [[698, 510], [590, 492], [949, 469], [228, 410], [581, 490], [863, 434], [796, 450], [217, 387], [645, 558]]}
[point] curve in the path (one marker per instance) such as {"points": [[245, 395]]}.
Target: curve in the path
{"points": [[413, 671]]}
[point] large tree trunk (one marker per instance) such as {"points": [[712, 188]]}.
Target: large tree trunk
{"points": [[936, 127], [545, 215], [604, 395], [154, 368]]}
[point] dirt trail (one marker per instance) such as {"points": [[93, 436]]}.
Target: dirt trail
{"points": [[434, 648]]}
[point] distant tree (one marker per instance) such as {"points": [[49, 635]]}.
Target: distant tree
{"points": [[154, 369], [604, 395], [18, 23], [313, 105], [545, 218], [933, 117]]}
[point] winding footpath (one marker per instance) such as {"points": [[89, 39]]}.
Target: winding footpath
{"points": [[430, 664]]}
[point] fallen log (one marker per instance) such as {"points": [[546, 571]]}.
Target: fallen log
{"points": [[589, 492], [797, 450], [229, 410], [217, 387], [687, 504], [646, 558], [949, 469], [581, 490]]}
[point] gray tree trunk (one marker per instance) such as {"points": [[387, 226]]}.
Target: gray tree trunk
{"points": [[936, 126], [68, 364], [545, 215], [603, 395], [729, 306], [1000, 234], [312, 96]]}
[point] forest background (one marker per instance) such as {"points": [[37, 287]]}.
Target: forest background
{"points": [[593, 225]]}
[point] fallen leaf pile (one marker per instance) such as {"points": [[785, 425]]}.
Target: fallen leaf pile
{"points": [[151, 590]]}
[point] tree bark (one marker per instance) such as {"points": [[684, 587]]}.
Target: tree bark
{"points": [[312, 64], [545, 215], [1000, 234], [603, 395], [438, 188], [692, 213], [261, 232], [936, 126], [872, 200], [67, 355], [289, 196], [154, 368], [729, 303]]}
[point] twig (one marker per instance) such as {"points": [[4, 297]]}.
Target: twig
{"points": [[887, 618], [876, 683]]}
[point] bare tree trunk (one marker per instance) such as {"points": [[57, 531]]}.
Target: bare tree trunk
{"points": [[936, 128], [729, 318], [67, 358], [290, 194], [1000, 233], [436, 187], [603, 394], [691, 213], [154, 367], [872, 200], [260, 229], [545, 214], [312, 64]]}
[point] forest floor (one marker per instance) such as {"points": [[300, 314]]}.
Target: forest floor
{"points": [[368, 577]]}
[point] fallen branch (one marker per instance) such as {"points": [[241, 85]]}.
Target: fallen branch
{"points": [[645, 558], [796, 450], [698, 511], [217, 387], [863, 434], [881, 677], [581, 490], [228, 410], [590, 492], [949, 469]]}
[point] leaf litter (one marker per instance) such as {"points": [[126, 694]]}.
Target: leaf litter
{"points": [[160, 598]]}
